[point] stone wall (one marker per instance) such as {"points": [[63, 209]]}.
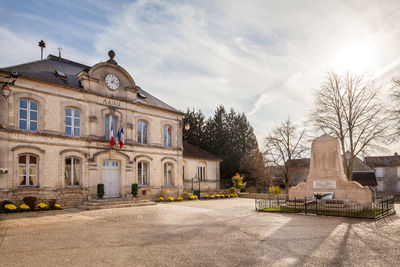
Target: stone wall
{"points": [[66, 197]]}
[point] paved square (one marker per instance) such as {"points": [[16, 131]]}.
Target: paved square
{"points": [[201, 233]]}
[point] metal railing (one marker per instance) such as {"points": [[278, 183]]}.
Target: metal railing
{"points": [[376, 209]]}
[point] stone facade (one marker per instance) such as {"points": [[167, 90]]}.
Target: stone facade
{"points": [[50, 148], [387, 172]]}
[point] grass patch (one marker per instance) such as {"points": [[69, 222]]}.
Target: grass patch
{"points": [[282, 209]]}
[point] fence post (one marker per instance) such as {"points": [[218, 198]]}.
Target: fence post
{"points": [[305, 205], [295, 206]]}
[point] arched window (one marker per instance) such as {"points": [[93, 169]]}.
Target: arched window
{"points": [[72, 171], [111, 124], [167, 136], [143, 173], [72, 122], [168, 177], [27, 170], [28, 115], [142, 132]]}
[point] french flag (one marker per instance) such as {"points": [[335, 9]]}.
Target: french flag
{"points": [[121, 138], [112, 142]]}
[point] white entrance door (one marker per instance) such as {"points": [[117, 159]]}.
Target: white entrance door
{"points": [[111, 178]]}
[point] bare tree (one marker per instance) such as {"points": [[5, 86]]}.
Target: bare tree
{"points": [[396, 109], [348, 107], [283, 145]]}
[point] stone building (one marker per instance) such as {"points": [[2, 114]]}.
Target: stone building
{"points": [[55, 131], [387, 171]]}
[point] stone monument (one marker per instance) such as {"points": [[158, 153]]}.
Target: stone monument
{"points": [[326, 175]]}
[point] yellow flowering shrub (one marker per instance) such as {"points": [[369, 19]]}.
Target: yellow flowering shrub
{"points": [[212, 196], [24, 207], [160, 199], [193, 197], [57, 206], [170, 199], [222, 196], [205, 196], [217, 196], [42, 206], [275, 190], [228, 196], [179, 198], [10, 207], [236, 195]]}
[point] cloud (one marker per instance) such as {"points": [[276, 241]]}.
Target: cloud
{"points": [[263, 58]]}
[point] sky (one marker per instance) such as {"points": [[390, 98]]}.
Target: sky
{"points": [[263, 58]]}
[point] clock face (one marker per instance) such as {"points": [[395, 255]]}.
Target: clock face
{"points": [[112, 81]]}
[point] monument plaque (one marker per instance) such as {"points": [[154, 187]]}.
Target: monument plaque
{"points": [[326, 172], [324, 184]]}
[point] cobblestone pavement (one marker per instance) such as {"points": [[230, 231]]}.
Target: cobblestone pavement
{"points": [[199, 233]]}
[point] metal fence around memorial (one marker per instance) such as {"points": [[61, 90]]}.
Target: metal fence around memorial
{"points": [[374, 210]]}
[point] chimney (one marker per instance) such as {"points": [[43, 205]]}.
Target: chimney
{"points": [[42, 45], [59, 52]]}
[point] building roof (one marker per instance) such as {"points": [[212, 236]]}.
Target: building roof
{"points": [[365, 178], [191, 151], [383, 161], [45, 70]]}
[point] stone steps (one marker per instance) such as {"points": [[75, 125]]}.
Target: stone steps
{"points": [[95, 204]]}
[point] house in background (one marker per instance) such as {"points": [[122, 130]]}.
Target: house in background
{"points": [[387, 171]]}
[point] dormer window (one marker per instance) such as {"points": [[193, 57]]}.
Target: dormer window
{"points": [[60, 74]]}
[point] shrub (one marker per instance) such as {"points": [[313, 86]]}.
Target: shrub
{"points": [[237, 181], [222, 196], [275, 190], [100, 191], [205, 196], [10, 208], [217, 196], [30, 201], [160, 199], [185, 195], [170, 199], [134, 190], [179, 199], [228, 196], [212, 196], [42, 206], [236, 195], [24, 207], [57, 206], [193, 197], [232, 190], [52, 203], [4, 203]]}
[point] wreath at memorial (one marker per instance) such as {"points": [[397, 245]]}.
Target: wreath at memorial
{"points": [[318, 195]]}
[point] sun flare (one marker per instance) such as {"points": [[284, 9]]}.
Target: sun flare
{"points": [[356, 58]]}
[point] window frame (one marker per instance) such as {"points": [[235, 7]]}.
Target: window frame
{"points": [[379, 172], [167, 136], [168, 178], [27, 169], [141, 176], [107, 126], [28, 110], [142, 132], [73, 126], [201, 172], [79, 171]]}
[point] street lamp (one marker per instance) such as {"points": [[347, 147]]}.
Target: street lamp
{"points": [[187, 126], [6, 91]]}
